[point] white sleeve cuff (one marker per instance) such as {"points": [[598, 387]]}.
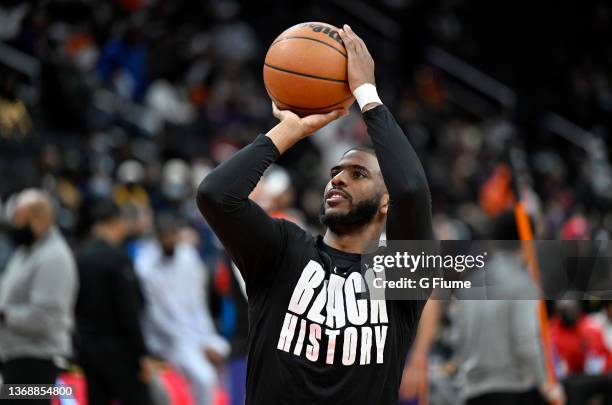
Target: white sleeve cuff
{"points": [[366, 94]]}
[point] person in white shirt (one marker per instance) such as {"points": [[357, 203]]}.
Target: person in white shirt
{"points": [[178, 326]]}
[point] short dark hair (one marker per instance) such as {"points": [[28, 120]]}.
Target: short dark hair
{"points": [[505, 226], [361, 148], [105, 210]]}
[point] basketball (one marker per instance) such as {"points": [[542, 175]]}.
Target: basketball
{"points": [[305, 70]]}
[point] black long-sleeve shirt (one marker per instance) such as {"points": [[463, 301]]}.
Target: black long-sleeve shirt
{"points": [[109, 302], [312, 338]]}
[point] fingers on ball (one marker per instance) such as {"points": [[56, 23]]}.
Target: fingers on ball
{"points": [[352, 40], [346, 38]]}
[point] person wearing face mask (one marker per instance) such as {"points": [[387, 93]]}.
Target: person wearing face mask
{"points": [[37, 295], [579, 341], [580, 345], [178, 326], [111, 347]]}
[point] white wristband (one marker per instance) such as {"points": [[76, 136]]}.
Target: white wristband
{"points": [[366, 94]]}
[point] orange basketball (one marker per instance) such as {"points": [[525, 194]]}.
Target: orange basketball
{"points": [[305, 70]]}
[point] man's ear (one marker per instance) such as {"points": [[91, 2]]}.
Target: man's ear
{"points": [[384, 204]]}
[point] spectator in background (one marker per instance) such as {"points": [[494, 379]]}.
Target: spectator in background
{"points": [[603, 319], [585, 358], [579, 341], [178, 324], [37, 295], [131, 175], [275, 194], [123, 62], [501, 360], [111, 346]]}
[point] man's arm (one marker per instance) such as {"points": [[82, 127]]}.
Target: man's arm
{"points": [[250, 236], [126, 293], [52, 290], [528, 348], [409, 215], [415, 369]]}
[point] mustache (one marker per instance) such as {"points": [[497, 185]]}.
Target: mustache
{"points": [[360, 213], [347, 195]]}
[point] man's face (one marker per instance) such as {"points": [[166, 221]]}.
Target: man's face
{"points": [[21, 216], [22, 231], [356, 192], [168, 240]]}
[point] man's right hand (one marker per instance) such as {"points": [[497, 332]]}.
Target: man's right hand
{"points": [[553, 393], [214, 357], [292, 128]]}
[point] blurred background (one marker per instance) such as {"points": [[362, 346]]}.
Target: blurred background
{"points": [[134, 101]]}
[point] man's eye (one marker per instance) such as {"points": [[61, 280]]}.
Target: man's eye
{"points": [[359, 175], [334, 173]]}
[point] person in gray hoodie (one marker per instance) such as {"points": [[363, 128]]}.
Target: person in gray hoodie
{"points": [[37, 295], [499, 353]]}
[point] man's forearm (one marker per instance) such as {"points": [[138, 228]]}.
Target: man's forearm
{"points": [[410, 212], [249, 235], [399, 163], [283, 135]]}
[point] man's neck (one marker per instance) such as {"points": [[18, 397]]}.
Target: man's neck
{"points": [[352, 240]]}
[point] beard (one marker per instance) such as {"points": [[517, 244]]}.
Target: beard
{"points": [[359, 214]]}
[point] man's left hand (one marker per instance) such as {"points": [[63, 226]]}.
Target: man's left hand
{"points": [[214, 357], [360, 62]]}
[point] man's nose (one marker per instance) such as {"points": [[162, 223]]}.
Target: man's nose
{"points": [[339, 180]]}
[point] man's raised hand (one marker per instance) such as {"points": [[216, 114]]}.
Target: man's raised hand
{"points": [[292, 128], [360, 62]]}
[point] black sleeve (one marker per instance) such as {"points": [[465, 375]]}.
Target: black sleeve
{"points": [[251, 237], [409, 215], [128, 299]]}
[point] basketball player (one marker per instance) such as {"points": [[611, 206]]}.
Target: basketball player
{"points": [[313, 339]]}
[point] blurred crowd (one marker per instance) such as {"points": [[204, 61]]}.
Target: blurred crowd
{"points": [[115, 111]]}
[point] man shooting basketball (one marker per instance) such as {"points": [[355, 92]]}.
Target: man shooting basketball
{"points": [[313, 339]]}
